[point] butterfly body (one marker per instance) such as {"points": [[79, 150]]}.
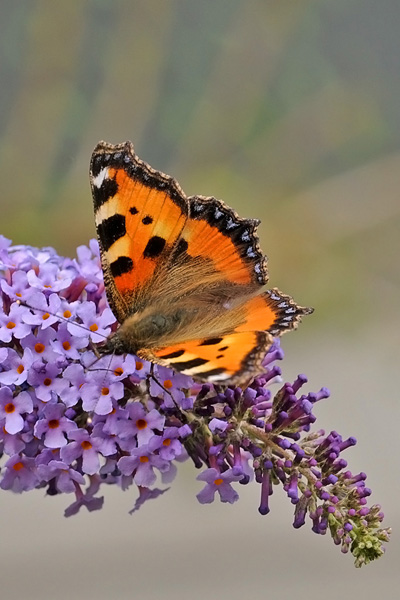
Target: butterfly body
{"points": [[184, 276]]}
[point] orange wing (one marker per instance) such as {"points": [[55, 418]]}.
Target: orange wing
{"points": [[236, 357], [231, 358]]}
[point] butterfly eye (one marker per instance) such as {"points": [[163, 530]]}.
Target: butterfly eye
{"points": [[159, 321]]}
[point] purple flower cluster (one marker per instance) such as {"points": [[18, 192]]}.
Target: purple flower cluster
{"points": [[71, 421]]}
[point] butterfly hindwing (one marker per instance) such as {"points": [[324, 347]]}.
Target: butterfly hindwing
{"points": [[226, 358], [236, 354]]}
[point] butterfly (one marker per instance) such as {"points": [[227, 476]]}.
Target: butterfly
{"points": [[184, 276]]}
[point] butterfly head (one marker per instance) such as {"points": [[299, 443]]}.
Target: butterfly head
{"points": [[142, 330]]}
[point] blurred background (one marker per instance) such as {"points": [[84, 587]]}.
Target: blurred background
{"points": [[290, 112]]}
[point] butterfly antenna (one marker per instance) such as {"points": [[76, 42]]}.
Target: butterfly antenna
{"points": [[62, 318]]}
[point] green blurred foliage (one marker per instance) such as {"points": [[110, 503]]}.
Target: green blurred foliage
{"points": [[287, 110]]}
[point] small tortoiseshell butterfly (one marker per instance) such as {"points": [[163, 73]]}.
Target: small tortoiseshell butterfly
{"points": [[185, 276]]}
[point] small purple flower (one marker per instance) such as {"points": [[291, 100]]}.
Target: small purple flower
{"points": [[13, 407], [43, 311], [96, 324], [142, 462], [64, 476], [218, 482], [118, 367], [83, 446], [98, 397], [12, 324], [49, 278], [40, 344], [169, 446], [54, 426], [19, 474], [45, 380], [169, 385], [16, 367], [141, 423], [68, 345], [18, 288]]}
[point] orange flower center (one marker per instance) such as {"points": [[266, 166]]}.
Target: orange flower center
{"points": [[218, 481], [118, 371], [93, 327], [20, 369], [141, 424], [11, 325], [39, 348], [66, 314], [66, 345], [139, 365], [168, 384], [45, 316], [105, 391], [144, 459], [166, 442], [18, 466], [86, 445], [54, 423], [9, 408], [47, 381]]}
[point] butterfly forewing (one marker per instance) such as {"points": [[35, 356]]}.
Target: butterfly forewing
{"points": [[139, 217]]}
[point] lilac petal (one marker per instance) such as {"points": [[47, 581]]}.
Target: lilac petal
{"points": [[227, 493], [71, 452], [206, 496], [90, 461], [14, 423], [24, 402], [104, 405], [145, 475], [127, 464], [55, 438], [208, 475]]}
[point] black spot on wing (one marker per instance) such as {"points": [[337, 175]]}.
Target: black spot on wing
{"points": [[185, 365], [96, 164], [223, 348], [133, 210], [147, 220], [107, 190], [110, 230], [154, 247], [176, 354], [211, 341], [122, 265], [182, 246]]}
